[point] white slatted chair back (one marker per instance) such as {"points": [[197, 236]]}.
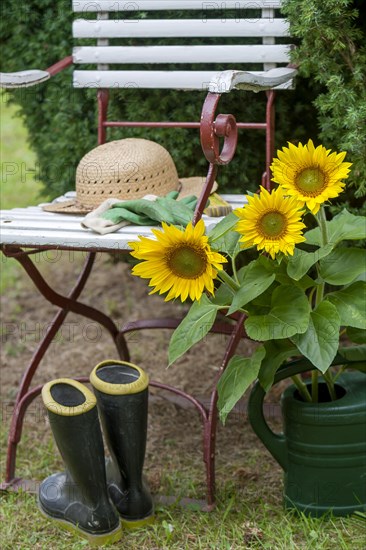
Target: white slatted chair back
{"points": [[109, 24]]}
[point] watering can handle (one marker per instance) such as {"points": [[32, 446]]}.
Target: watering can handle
{"points": [[275, 443]]}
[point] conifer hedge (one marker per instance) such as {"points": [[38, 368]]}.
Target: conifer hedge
{"points": [[328, 103], [332, 55]]}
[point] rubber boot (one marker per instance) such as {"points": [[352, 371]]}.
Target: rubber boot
{"points": [[78, 498], [122, 394]]}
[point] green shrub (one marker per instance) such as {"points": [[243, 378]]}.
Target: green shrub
{"points": [[332, 55], [62, 121]]}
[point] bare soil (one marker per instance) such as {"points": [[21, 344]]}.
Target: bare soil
{"points": [[175, 434]]}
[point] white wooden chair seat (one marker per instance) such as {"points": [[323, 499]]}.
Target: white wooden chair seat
{"points": [[33, 227]]}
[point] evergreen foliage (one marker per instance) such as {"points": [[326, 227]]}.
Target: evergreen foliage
{"points": [[332, 54], [62, 121]]}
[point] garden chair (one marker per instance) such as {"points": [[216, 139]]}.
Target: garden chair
{"points": [[26, 231]]}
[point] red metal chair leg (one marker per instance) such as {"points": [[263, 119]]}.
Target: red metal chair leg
{"points": [[69, 303], [66, 304], [209, 448], [208, 415], [210, 427]]}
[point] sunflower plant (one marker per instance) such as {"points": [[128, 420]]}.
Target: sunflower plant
{"points": [[300, 295]]}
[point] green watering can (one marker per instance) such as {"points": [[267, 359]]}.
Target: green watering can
{"points": [[323, 448]]}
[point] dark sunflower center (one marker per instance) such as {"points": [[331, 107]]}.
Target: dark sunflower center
{"points": [[272, 224], [187, 262], [310, 181]]}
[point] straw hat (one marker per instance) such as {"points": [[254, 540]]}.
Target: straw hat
{"points": [[125, 169]]}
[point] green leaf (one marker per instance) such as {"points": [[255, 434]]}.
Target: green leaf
{"points": [[254, 280], [196, 324], [262, 304], [344, 226], [236, 379], [284, 278], [289, 315], [223, 237], [305, 282], [356, 335], [354, 353], [277, 351], [320, 342], [300, 263], [343, 265], [350, 303], [223, 295], [358, 366]]}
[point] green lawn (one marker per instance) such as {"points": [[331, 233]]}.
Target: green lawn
{"points": [[19, 185], [253, 521]]}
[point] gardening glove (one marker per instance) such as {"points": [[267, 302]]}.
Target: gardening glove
{"points": [[94, 219], [150, 210]]}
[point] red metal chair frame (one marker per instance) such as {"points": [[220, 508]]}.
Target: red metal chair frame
{"points": [[214, 130]]}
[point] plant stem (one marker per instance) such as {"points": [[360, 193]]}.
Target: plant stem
{"points": [[304, 392], [235, 273], [324, 238], [340, 371], [314, 386], [322, 222], [330, 383], [311, 295], [225, 278]]}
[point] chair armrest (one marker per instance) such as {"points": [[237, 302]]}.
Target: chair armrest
{"points": [[22, 79], [226, 81]]}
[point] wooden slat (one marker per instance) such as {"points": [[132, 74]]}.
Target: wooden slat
{"points": [[64, 227], [35, 214], [178, 80], [174, 28], [76, 240], [182, 54], [34, 227], [84, 6]]}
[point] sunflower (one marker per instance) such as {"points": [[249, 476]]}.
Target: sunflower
{"points": [[311, 174], [271, 222], [180, 262]]}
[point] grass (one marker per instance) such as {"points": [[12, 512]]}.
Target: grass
{"points": [[248, 515], [19, 185], [184, 530]]}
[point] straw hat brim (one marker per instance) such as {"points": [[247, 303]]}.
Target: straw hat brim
{"points": [[188, 186]]}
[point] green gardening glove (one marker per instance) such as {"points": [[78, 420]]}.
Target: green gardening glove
{"points": [[145, 212]]}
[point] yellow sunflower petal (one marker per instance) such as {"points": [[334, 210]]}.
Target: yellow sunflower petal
{"points": [[271, 222], [311, 174], [179, 262]]}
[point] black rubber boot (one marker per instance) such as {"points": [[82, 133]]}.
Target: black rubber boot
{"points": [[122, 395], [78, 498]]}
